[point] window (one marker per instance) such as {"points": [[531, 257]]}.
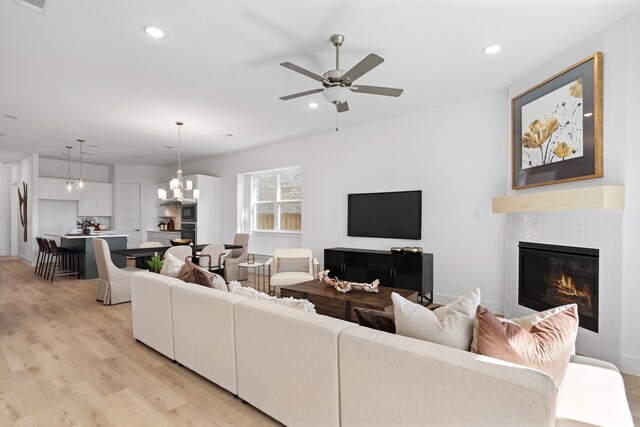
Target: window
{"points": [[276, 200]]}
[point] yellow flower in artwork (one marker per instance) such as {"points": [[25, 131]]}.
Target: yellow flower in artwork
{"points": [[538, 132], [575, 89], [563, 150]]}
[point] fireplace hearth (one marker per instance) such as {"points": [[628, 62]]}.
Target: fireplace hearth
{"points": [[552, 275]]}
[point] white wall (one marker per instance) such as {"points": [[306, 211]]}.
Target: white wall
{"points": [[630, 357], [454, 154], [51, 168], [614, 233], [27, 171], [5, 210], [148, 177]]}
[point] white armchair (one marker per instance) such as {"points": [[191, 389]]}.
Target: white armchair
{"points": [[289, 268], [114, 284]]}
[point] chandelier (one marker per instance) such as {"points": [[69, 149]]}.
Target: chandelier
{"points": [[181, 190]]}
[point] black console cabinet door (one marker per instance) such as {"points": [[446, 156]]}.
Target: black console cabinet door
{"points": [[334, 262], [355, 266], [380, 266], [408, 272]]}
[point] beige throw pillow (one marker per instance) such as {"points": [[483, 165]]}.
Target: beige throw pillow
{"points": [[293, 265], [450, 325], [546, 347], [171, 266]]}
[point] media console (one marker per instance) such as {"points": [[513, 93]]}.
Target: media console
{"points": [[413, 272]]}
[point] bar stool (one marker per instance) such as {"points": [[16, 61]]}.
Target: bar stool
{"points": [[46, 258], [40, 254], [66, 261]]}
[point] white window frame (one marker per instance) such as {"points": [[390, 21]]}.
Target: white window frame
{"points": [[276, 203]]}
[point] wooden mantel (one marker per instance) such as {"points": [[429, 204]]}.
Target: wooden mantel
{"points": [[604, 197]]}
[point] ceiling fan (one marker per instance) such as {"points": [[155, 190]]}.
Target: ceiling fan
{"points": [[338, 84]]}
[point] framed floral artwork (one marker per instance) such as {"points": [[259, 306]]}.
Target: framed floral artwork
{"points": [[557, 127]]}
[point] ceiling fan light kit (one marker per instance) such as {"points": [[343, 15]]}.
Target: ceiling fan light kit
{"points": [[338, 83]]}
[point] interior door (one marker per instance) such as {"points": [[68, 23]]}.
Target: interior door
{"points": [[130, 208]]}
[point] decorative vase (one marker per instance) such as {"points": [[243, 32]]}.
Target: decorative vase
{"points": [[86, 231]]}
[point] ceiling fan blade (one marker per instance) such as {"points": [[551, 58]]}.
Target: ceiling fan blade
{"points": [[298, 95], [342, 107], [301, 70], [362, 67], [377, 90]]}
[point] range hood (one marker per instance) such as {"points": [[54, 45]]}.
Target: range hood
{"points": [[178, 202]]}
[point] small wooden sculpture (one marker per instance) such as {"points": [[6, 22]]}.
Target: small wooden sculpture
{"points": [[23, 210], [344, 287]]}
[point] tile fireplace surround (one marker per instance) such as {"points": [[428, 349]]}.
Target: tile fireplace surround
{"points": [[590, 229]]}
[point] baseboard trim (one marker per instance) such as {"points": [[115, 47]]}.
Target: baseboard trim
{"points": [[496, 307], [5, 253], [630, 364], [25, 260]]}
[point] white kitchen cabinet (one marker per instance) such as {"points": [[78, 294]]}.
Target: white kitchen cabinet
{"points": [[96, 199], [54, 189]]}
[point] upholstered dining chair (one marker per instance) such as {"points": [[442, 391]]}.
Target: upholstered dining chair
{"points": [[181, 252], [211, 257], [114, 284], [291, 266], [231, 270], [151, 245]]}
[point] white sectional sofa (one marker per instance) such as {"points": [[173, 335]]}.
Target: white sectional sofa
{"points": [[306, 369]]}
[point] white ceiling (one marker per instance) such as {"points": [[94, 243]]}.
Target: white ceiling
{"points": [[85, 69]]}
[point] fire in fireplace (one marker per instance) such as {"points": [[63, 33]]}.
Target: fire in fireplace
{"points": [[552, 275]]}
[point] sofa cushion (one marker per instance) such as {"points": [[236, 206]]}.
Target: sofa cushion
{"points": [[546, 347], [171, 266], [286, 265], [300, 304], [450, 325], [193, 274], [376, 319]]}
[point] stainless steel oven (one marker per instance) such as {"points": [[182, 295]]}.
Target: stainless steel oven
{"points": [[189, 231], [189, 213]]}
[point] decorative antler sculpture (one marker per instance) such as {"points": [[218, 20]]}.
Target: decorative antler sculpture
{"points": [[344, 287], [23, 210]]}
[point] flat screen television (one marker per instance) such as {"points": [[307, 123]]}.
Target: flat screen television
{"points": [[396, 215]]}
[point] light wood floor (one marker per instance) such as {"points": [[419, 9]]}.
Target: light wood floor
{"points": [[66, 359]]}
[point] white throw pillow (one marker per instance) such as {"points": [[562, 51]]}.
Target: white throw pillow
{"points": [[301, 304], [217, 282], [450, 325], [171, 266]]}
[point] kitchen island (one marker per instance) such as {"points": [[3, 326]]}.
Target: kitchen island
{"points": [[84, 245]]}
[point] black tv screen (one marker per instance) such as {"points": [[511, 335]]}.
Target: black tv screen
{"points": [[396, 215]]}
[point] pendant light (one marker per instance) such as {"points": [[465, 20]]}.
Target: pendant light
{"points": [[81, 181], [180, 188], [68, 183]]}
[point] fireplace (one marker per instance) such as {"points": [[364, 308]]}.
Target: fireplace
{"points": [[552, 275]]}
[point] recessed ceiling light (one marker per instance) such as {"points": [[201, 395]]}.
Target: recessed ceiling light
{"points": [[138, 157], [154, 32], [490, 50], [228, 134], [9, 116], [93, 145], [168, 146], [588, 114], [3, 134], [313, 105]]}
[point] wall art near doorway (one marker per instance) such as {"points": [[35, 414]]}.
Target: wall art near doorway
{"points": [[557, 128]]}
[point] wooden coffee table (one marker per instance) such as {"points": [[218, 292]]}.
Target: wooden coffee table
{"points": [[332, 303]]}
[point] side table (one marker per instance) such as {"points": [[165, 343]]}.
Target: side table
{"points": [[259, 277]]}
